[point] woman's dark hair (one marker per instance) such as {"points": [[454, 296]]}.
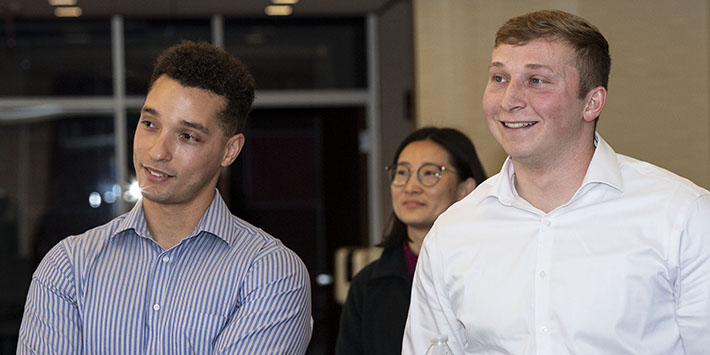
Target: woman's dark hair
{"points": [[462, 155]]}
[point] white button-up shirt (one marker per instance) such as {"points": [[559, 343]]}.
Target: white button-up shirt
{"points": [[622, 268]]}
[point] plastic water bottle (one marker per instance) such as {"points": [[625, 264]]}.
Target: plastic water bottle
{"points": [[439, 346]]}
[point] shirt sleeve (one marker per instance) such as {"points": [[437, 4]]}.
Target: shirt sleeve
{"points": [[693, 283], [51, 323], [350, 332], [430, 312], [274, 316]]}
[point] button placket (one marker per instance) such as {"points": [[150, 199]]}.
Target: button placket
{"points": [[162, 271], [545, 245], [161, 274]]}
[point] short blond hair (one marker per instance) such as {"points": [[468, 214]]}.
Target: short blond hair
{"points": [[592, 50]]}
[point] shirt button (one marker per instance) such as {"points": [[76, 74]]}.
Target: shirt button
{"points": [[166, 259], [544, 330], [547, 222], [543, 274], [156, 307]]}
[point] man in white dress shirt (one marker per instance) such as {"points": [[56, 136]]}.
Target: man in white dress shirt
{"points": [[571, 248]]}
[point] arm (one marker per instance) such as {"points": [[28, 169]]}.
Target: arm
{"points": [[350, 332], [693, 283], [274, 316], [51, 323], [430, 312]]}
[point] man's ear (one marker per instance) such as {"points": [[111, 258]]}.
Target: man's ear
{"points": [[465, 188], [234, 146], [596, 99]]}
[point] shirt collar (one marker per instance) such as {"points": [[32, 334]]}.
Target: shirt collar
{"points": [[217, 220], [134, 220], [603, 169], [409, 257]]}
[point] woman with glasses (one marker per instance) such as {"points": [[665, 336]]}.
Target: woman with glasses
{"points": [[432, 169]]}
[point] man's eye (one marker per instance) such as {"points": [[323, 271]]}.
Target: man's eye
{"points": [[497, 78], [536, 81], [189, 137]]}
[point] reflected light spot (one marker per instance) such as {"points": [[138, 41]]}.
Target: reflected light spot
{"points": [[94, 199], [109, 197], [133, 193]]}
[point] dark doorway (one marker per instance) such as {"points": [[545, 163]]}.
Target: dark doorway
{"points": [[303, 179]]}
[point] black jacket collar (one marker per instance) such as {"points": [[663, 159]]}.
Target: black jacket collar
{"points": [[391, 264]]}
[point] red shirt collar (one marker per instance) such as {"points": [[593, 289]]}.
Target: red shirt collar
{"points": [[409, 258]]}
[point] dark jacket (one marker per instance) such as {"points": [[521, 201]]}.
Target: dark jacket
{"points": [[375, 312]]}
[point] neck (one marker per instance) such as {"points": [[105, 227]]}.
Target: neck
{"points": [[417, 237], [553, 184], [170, 223]]}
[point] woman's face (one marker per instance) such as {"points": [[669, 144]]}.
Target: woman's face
{"points": [[415, 204]]}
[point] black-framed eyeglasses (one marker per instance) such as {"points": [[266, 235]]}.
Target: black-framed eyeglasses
{"points": [[428, 174]]}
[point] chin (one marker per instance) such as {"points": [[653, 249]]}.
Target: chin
{"points": [[418, 223], [157, 197]]}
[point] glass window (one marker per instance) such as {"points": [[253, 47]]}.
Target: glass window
{"points": [[145, 39], [132, 118], [58, 178], [301, 53], [56, 57]]}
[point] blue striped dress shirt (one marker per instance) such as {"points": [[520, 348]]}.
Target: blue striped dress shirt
{"points": [[228, 288]]}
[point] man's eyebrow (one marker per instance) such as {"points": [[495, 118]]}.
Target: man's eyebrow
{"points": [[528, 66], [539, 66], [194, 125], [150, 110]]}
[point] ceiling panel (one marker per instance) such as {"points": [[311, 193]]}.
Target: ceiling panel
{"points": [[91, 8]]}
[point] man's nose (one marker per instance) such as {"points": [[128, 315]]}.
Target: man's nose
{"points": [[161, 147], [513, 97]]}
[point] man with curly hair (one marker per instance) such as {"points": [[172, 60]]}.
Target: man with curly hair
{"points": [[178, 274]]}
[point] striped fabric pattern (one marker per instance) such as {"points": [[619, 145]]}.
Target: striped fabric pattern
{"points": [[228, 288]]}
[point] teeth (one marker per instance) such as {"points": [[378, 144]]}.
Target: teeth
{"points": [[518, 124], [156, 174]]}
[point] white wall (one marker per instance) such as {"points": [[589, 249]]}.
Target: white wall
{"points": [[658, 108]]}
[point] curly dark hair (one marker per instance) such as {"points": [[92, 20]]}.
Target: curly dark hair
{"points": [[202, 65], [462, 156], [593, 60]]}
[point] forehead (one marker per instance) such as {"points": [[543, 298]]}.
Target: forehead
{"points": [[552, 53], [426, 151], [167, 97]]}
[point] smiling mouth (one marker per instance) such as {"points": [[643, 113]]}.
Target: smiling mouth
{"points": [[156, 174], [518, 124]]}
